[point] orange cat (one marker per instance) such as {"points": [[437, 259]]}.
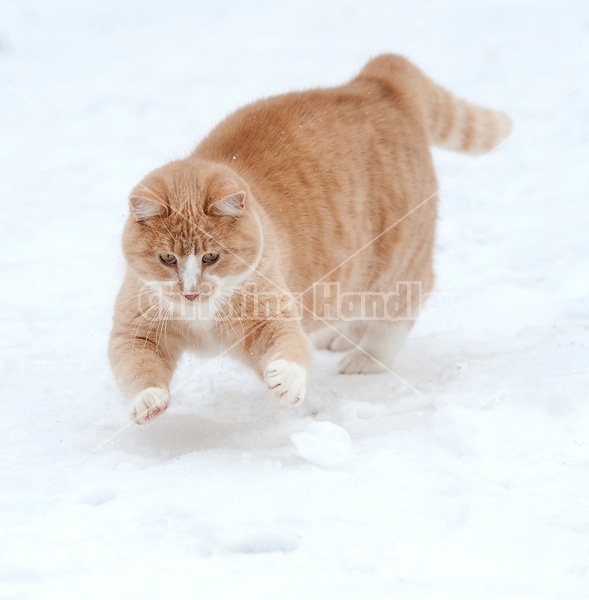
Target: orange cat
{"points": [[298, 212]]}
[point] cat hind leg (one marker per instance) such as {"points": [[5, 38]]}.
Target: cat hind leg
{"points": [[339, 338], [377, 349]]}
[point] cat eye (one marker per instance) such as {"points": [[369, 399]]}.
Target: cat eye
{"points": [[210, 257], [168, 259]]}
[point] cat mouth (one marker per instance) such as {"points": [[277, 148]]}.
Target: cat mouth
{"points": [[198, 299]]}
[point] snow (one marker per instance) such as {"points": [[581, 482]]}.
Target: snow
{"points": [[467, 471], [324, 444]]}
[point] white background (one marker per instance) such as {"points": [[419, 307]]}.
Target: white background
{"points": [[467, 472]]}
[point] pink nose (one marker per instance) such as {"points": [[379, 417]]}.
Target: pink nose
{"points": [[190, 297]]}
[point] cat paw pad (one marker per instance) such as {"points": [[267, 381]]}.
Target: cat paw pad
{"points": [[148, 405], [287, 380]]}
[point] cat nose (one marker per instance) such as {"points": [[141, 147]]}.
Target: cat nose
{"points": [[190, 297]]}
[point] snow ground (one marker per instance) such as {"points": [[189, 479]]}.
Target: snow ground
{"points": [[464, 476]]}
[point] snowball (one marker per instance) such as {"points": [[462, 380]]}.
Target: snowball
{"points": [[324, 444]]}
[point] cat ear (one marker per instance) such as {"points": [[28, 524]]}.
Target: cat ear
{"points": [[229, 206], [144, 208]]}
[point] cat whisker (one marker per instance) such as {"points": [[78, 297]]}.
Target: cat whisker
{"points": [[150, 319], [226, 303]]}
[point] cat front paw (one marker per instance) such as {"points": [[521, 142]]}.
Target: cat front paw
{"points": [[287, 380], [148, 405]]}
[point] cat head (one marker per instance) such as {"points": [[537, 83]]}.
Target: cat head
{"points": [[192, 233]]}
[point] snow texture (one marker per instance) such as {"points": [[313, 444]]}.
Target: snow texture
{"points": [[324, 444], [467, 473]]}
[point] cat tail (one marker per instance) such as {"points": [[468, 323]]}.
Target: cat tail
{"points": [[450, 122]]}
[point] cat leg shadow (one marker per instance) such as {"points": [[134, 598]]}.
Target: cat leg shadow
{"points": [[229, 420], [249, 418]]}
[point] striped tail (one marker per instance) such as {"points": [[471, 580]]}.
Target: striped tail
{"points": [[449, 122]]}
